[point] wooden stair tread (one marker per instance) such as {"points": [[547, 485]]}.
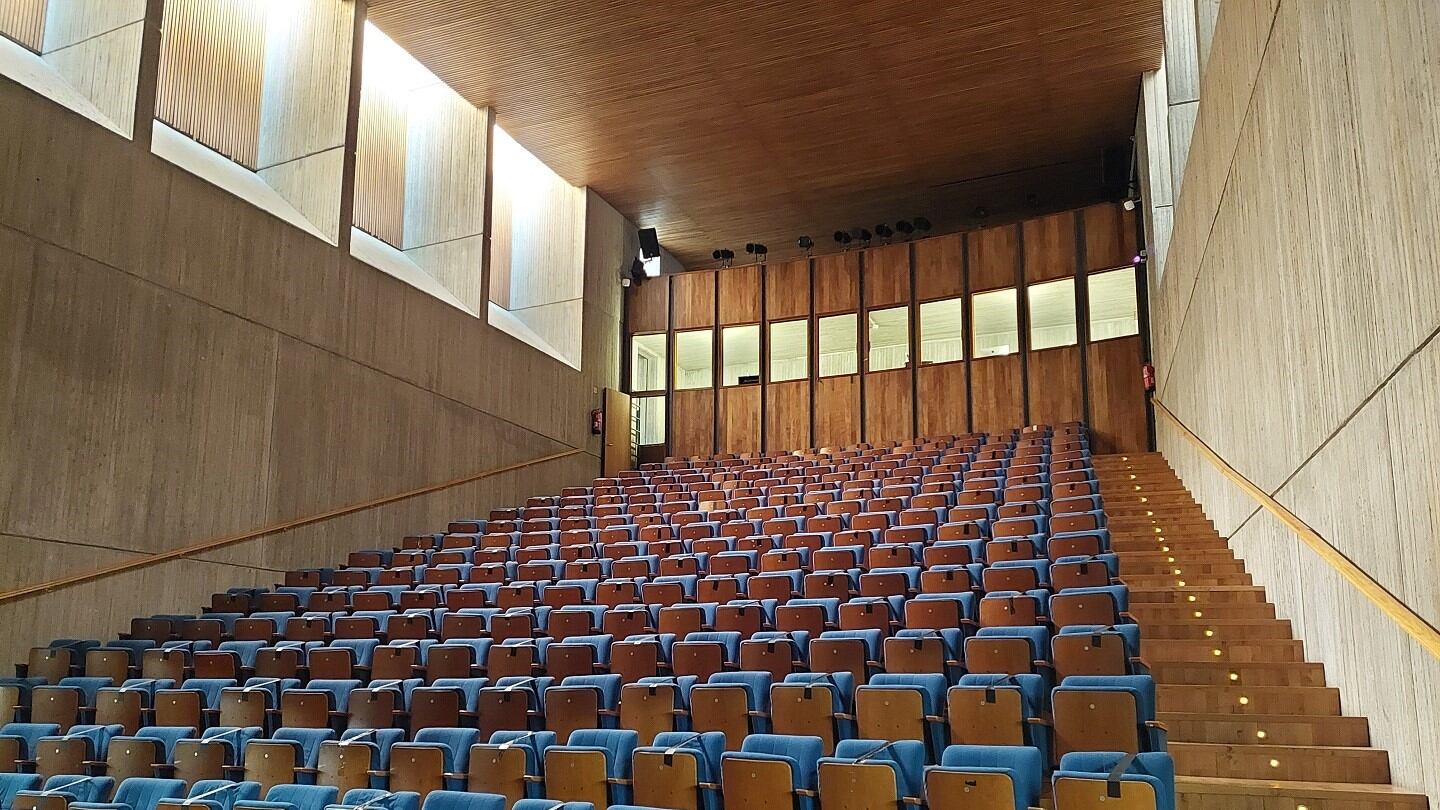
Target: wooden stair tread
{"points": [[1319, 790]]}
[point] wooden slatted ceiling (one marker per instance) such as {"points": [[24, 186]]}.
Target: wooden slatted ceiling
{"points": [[725, 123]]}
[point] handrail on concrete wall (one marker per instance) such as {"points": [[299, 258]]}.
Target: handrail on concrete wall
{"points": [[274, 528], [1414, 625]]}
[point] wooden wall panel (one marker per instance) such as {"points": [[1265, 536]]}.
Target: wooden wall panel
{"points": [[1118, 422], [739, 419], [211, 72], [694, 294], [787, 416], [888, 400], [1049, 247], [940, 267], [380, 174], [24, 22], [647, 305], [1055, 385], [787, 290], [740, 295], [943, 406], [837, 411], [1109, 236], [887, 276], [692, 423], [994, 253], [837, 283], [995, 393]]}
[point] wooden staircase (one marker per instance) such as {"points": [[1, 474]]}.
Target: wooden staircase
{"points": [[1252, 725]]}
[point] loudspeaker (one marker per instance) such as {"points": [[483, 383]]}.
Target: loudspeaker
{"points": [[1115, 171], [649, 243]]}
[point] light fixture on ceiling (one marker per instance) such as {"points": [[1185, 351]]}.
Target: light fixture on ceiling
{"points": [[806, 244]]}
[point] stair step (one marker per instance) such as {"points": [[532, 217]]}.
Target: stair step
{"points": [[1265, 729], [1220, 793], [1244, 700], [1221, 673], [1151, 613], [1286, 762], [1168, 594], [1160, 651], [1219, 630]]}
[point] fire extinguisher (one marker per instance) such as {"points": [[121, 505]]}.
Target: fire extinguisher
{"points": [[597, 422], [1147, 373]]}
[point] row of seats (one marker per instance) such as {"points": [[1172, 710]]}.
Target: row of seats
{"points": [[609, 769], [899, 608]]}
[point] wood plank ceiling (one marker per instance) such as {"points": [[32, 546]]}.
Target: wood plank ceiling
{"points": [[760, 120]]}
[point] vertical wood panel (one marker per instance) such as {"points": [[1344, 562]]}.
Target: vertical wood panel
{"points": [[995, 393], [1118, 421], [993, 256], [1055, 385], [647, 305], [888, 398], [837, 283], [1109, 236], [24, 22], [211, 74], [787, 416], [837, 411], [740, 295], [940, 267], [943, 407], [739, 420], [692, 423], [787, 290], [1050, 247], [887, 275], [380, 171], [694, 294]]}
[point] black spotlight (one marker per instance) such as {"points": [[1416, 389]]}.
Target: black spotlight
{"points": [[649, 243], [883, 231], [981, 212], [842, 237], [715, 254], [806, 244], [761, 250], [904, 227], [750, 248], [922, 224], [727, 254]]}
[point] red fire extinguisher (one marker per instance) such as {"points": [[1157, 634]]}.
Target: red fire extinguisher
{"points": [[597, 422], [1147, 373]]}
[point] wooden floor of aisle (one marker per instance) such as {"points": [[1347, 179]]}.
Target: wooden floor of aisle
{"points": [[1252, 724]]}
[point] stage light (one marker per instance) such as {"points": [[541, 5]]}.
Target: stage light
{"points": [[806, 244], [750, 248], [842, 237], [883, 231], [715, 254], [922, 224], [904, 227], [761, 250]]}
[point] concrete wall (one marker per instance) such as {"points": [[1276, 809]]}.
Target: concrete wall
{"points": [[176, 365], [1294, 330]]}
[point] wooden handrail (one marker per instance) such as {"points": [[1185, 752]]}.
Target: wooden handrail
{"points": [[1414, 625], [274, 528]]}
